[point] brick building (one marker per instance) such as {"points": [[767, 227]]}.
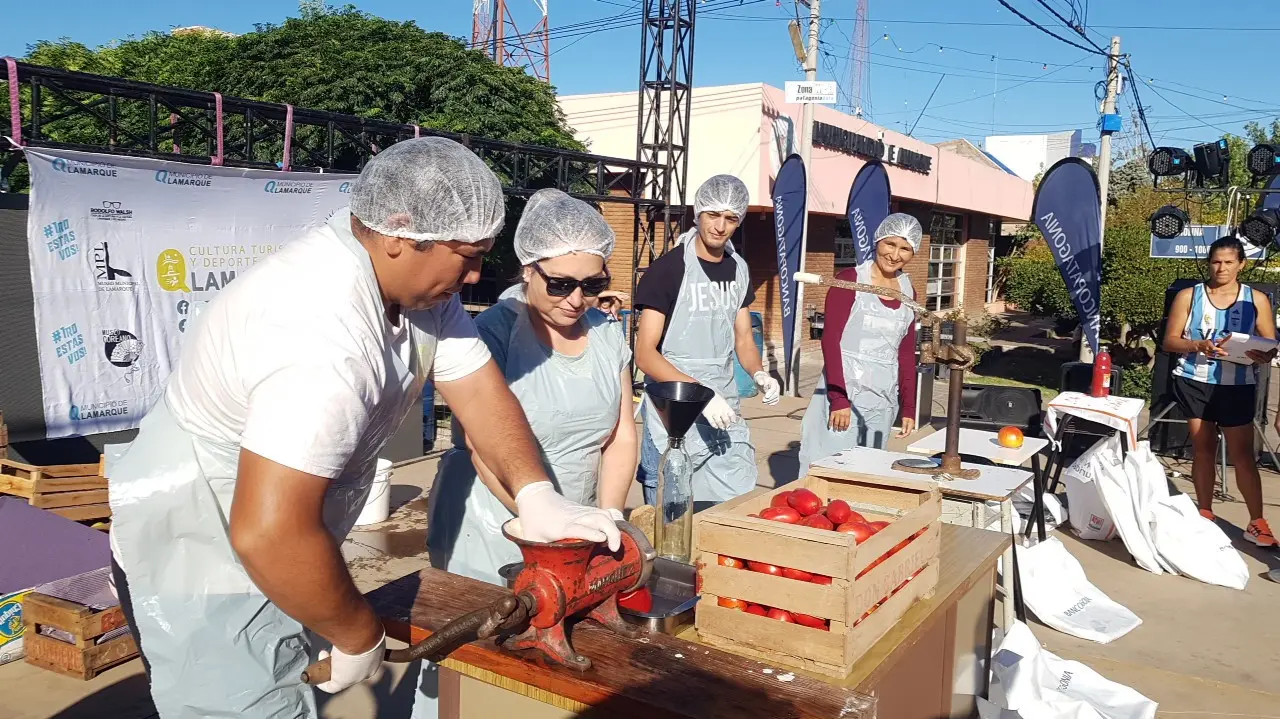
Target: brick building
{"points": [[748, 130]]}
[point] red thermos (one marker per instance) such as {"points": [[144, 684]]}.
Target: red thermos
{"points": [[1101, 375]]}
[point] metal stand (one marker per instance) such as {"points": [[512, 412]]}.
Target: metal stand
{"points": [[1220, 471]]}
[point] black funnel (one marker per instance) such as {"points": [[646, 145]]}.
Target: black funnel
{"points": [[678, 404]]}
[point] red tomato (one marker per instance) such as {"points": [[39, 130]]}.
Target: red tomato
{"points": [[764, 568], [809, 621], [871, 566], [856, 517], [757, 610], [781, 514], [821, 579], [817, 521], [781, 615], [729, 603], [805, 502], [780, 499], [731, 562], [800, 574], [1010, 437], [878, 525], [838, 511], [641, 600], [861, 530]]}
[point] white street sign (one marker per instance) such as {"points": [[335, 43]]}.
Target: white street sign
{"points": [[821, 92]]}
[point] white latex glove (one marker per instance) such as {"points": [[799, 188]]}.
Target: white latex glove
{"points": [[718, 413], [546, 516], [616, 514], [769, 386], [347, 670]]}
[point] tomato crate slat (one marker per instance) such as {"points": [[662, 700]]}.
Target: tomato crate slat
{"points": [[871, 585], [76, 491]]}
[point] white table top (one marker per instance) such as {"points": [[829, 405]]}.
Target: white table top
{"points": [[981, 443], [995, 484]]}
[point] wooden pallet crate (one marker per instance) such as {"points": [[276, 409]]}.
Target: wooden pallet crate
{"points": [[873, 584], [86, 657], [4, 438], [75, 491]]}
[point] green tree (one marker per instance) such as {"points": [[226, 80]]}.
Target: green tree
{"points": [[342, 60]]}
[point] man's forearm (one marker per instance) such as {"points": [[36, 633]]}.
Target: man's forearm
{"points": [[301, 570], [659, 368], [496, 427], [749, 356]]}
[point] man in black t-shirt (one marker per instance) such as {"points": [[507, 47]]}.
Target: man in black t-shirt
{"points": [[693, 320]]}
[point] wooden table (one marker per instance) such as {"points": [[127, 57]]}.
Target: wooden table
{"points": [[930, 665], [995, 484]]}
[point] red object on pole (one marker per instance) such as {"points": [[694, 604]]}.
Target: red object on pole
{"points": [[1101, 375]]}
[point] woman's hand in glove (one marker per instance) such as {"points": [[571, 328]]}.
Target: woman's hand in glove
{"points": [[546, 516], [718, 413], [348, 670]]}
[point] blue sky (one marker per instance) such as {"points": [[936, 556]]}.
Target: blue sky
{"points": [[1196, 83]]}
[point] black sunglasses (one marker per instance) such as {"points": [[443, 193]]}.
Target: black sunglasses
{"points": [[564, 286]]}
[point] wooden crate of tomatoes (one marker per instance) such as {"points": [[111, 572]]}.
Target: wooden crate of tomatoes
{"points": [[814, 573]]}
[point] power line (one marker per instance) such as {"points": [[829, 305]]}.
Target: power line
{"points": [[1066, 22], [1014, 86], [960, 23], [1047, 31]]}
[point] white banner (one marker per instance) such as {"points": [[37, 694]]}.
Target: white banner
{"points": [[122, 247]]}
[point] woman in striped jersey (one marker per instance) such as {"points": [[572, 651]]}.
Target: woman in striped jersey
{"points": [[1215, 393]]}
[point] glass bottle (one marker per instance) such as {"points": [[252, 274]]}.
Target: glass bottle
{"points": [[673, 528]]}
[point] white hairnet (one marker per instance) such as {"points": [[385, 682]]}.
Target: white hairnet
{"points": [[554, 224], [429, 189], [722, 193], [900, 224]]}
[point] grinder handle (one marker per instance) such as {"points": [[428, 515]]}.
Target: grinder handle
{"points": [[479, 624]]}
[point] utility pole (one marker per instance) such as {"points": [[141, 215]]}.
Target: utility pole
{"points": [[806, 152], [1104, 160]]}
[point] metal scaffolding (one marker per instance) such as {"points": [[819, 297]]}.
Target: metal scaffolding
{"points": [[92, 113]]}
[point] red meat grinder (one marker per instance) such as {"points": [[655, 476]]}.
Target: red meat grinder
{"points": [[560, 580]]}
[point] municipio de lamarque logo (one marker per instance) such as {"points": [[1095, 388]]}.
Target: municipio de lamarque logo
{"points": [[76, 167], [288, 187]]}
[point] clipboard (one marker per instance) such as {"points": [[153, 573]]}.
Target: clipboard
{"points": [[1238, 343]]}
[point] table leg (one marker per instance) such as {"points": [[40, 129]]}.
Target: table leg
{"points": [[1006, 569], [979, 514], [1038, 477]]}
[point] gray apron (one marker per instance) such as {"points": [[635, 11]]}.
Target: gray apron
{"points": [[869, 354], [572, 404], [701, 343], [217, 646]]}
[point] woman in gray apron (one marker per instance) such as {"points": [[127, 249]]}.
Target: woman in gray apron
{"points": [[568, 367], [859, 396]]}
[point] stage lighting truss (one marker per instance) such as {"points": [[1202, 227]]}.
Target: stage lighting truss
{"points": [[1168, 222], [1260, 227], [1262, 161], [1168, 162]]}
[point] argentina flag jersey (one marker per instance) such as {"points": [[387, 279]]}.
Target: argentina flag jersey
{"points": [[1209, 322]]}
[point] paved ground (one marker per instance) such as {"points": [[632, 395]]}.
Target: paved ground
{"points": [[1202, 651]]}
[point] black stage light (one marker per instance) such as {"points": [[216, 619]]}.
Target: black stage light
{"points": [[1168, 222], [1211, 160], [1168, 161], [1260, 227], [1262, 161]]}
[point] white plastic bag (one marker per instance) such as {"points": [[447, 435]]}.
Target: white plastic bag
{"points": [[1148, 486], [1056, 590], [1032, 683], [1115, 479], [1195, 546], [1085, 509]]}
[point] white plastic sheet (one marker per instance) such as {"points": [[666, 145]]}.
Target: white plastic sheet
{"points": [[1056, 590], [1030, 682], [1195, 546], [1120, 484]]}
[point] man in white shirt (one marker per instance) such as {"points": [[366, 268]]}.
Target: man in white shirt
{"points": [[229, 508]]}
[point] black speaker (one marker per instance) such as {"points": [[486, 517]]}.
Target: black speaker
{"points": [[1170, 438], [990, 407], [1078, 377]]}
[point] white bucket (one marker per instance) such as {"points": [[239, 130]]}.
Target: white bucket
{"points": [[378, 506]]}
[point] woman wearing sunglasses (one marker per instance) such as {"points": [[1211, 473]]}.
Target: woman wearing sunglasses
{"points": [[568, 369]]}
